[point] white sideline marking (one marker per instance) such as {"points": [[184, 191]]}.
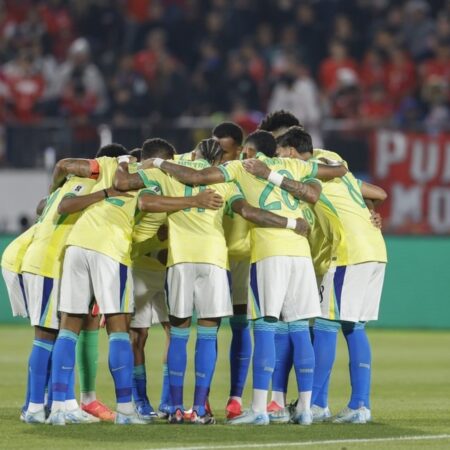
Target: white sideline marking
{"points": [[307, 443]]}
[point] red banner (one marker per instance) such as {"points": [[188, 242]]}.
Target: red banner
{"points": [[414, 169]]}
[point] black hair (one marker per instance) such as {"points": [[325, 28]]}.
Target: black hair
{"points": [[263, 142], [279, 119], [298, 138], [111, 150], [229, 129], [136, 152], [210, 149], [157, 148]]}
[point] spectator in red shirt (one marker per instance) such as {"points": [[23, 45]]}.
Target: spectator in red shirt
{"points": [[376, 109], [329, 68], [439, 65], [401, 76], [373, 69]]}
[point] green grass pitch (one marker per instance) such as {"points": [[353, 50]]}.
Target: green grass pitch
{"points": [[410, 397]]}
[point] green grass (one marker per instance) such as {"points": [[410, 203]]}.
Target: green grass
{"points": [[411, 392]]}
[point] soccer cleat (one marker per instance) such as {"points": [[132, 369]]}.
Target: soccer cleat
{"points": [[77, 416], [273, 406], [22, 415], [187, 414], [57, 417], [207, 419], [177, 417], [320, 414], [208, 408], [303, 418], [280, 416], [250, 417], [368, 415], [348, 415], [163, 411], [233, 409], [35, 417], [100, 410], [129, 419], [145, 411]]}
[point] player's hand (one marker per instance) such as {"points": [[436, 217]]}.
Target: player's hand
{"points": [[376, 219], [163, 233], [147, 164], [162, 256], [256, 168], [302, 227], [114, 193], [209, 199]]}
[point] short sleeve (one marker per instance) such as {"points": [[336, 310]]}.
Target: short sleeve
{"points": [[152, 180], [230, 170], [233, 194]]}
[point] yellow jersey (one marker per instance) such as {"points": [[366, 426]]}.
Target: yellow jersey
{"points": [[195, 234], [237, 235], [45, 255], [184, 156], [13, 254], [107, 226], [266, 242], [345, 220], [143, 255]]}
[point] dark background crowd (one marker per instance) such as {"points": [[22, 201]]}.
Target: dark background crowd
{"points": [[363, 63]]}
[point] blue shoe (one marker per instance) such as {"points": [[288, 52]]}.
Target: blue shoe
{"points": [[348, 415], [280, 416], [57, 417], [129, 419], [320, 414], [303, 418], [145, 411], [250, 417], [35, 417]]}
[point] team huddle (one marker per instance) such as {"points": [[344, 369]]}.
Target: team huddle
{"points": [[269, 232]]}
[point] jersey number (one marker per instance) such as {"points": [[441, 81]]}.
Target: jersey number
{"points": [[288, 200], [355, 194]]}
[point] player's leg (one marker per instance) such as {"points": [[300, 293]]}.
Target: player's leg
{"points": [[302, 303], [163, 408], [180, 301], [241, 341]]}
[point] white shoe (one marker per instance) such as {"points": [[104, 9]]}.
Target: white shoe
{"points": [[79, 416], [368, 415], [320, 414], [57, 417], [280, 416], [34, 417], [303, 418], [129, 419], [348, 415], [250, 417]]}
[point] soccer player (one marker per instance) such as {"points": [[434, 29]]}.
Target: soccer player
{"points": [[282, 276], [354, 262], [196, 275]]}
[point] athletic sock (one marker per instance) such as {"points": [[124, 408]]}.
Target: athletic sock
{"points": [[176, 363], [139, 383], [263, 362], [240, 353], [205, 363], [303, 361], [63, 362], [325, 339], [283, 363], [27, 394], [87, 364], [360, 363], [71, 402], [121, 368], [165, 391]]}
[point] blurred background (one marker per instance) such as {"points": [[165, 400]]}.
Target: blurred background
{"points": [[369, 79]]}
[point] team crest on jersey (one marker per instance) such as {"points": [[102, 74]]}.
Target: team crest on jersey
{"points": [[78, 188], [155, 189]]}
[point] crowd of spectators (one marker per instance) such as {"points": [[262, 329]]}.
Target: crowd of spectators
{"points": [[370, 62]]}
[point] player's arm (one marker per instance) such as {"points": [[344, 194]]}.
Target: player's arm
{"points": [[373, 195], [125, 181], [41, 206], [187, 175], [72, 203], [208, 199], [331, 170], [84, 168], [266, 219]]}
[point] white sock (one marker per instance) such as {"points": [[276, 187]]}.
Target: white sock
{"points": [[259, 402], [278, 397], [304, 401], [56, 406], [71, 404], [125, 408], [35, 407], [87, 397], [238, 399]]}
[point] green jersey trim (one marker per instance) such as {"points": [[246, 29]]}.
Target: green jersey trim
{"points": [[225, 173]]}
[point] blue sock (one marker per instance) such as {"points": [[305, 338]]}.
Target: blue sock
{"points": [[325, 338], [71, 387], [63, 363], [121, 365], [27, 395], [38, 365], [49, 387], [139, 384], [283, 358], [360, 363], [263, 353], [240, 353], [165, 392], [205, 363], [176, 363], [303, 354]]}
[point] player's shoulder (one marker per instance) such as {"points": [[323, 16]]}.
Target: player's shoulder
{"points": [[322, 153]]}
